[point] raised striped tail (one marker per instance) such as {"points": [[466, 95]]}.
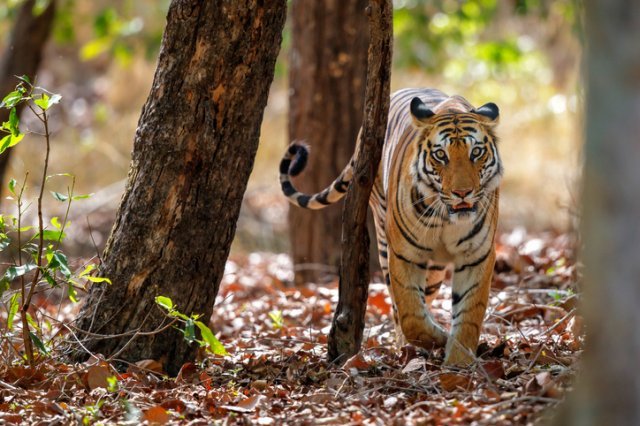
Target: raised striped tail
{"points": [[293, 163]]}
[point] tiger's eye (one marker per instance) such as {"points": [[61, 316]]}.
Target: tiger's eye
{"points": [[440, 154], [475, 152]]}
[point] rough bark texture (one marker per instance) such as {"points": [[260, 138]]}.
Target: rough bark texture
{"points": [[328, 64], [608, 390], [348, 322], [22, 57], [193, 152]]}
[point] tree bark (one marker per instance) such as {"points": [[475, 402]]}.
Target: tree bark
{"points": [[608, 390], [328, 64], [22, 57], [348, 322], [193, 152]]}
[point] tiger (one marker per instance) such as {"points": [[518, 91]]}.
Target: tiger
{"points": [[435, 204]]}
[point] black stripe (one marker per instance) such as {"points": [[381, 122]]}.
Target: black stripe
{"points": [[340, 186], [469, 129], [430, 289], [409, 239], [288, 189], [404, 259], [383, 253], [322, 198], [437, 267], [478, 226], [464, 311], [457, 298], [284, 166], [476, 262], [303, 200]]}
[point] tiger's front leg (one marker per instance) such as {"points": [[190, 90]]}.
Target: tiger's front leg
{"points": [[471, 284], [417, 324]]}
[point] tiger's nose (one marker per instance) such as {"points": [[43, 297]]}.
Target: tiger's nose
{"points": [[462, 192]]}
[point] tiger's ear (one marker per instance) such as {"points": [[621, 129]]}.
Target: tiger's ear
{"points": [[421, 113], [489, 113]]}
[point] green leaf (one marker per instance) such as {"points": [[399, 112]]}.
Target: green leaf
{"points": [[45, 102], [95, 47], [9, 141], [12, 186], [213, 344], [14, 122], [87, 270], [14, 272], [36, 341], [82, 197], [24, 78], [4, 285], [32, 322], [59, 196], [56, 222], [72, 293], [276, 317], [13, 310], [59, 261], [99, 280], [165, 302], [50, 235], [11, 100], [189, 331]]}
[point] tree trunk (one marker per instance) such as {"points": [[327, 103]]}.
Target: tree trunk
{"points": [[193, 152], [328, 63], [22, 57], [348, 321], [608, 391]]}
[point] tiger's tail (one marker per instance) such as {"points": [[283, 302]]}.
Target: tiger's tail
{"points": [[293, 163]]}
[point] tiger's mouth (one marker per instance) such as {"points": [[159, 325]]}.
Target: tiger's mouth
{"points": [[463, 207]]}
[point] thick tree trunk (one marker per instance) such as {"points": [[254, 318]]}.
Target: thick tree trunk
{"points": [[22, 57], [348, 321], [193, 152], [328, 63], [608, 390]]}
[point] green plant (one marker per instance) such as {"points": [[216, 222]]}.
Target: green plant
{"points": [[190, 322], [36, 249]]}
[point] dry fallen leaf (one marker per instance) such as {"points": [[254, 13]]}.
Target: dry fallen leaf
{"points": [[96, 376], [156, 415], [454, 381], [246, 405]]}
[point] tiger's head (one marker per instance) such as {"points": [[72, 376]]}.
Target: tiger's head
{"points": [[457, 156]]}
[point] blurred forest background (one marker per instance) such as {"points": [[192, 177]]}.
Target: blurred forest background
{"points": [[523, 55]]}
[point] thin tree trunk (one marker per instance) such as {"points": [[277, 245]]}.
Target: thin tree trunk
{"points": [[22, 57], [328, 63], [193, 152], [348, 321], [608, 389]]}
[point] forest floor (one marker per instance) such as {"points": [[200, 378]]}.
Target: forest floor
{"points": [[277, 373]]}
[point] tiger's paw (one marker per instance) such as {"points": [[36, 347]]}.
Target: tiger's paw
{"points": [[457, 355]]}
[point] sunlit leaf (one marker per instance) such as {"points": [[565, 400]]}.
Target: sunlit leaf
{"points": [[82, 197], [56, 222], [213, 344], [59, 261], [99, 279], [11, 100], [13, 310], [12, 186], [165, 302], [51, 235]]}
